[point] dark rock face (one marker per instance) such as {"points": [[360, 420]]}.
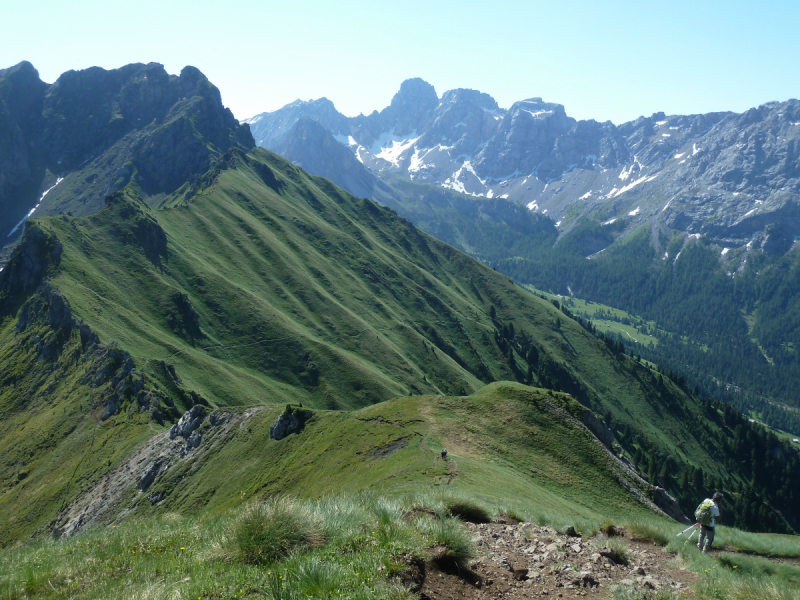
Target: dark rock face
{"points": [[32, 259], [291, 421], [99, 128]]}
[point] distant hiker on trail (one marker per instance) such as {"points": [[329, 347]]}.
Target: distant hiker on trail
{"points": [[707, 515], [444, 454]]}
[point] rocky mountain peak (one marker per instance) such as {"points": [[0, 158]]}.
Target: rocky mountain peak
{"points": [[411, 106]]}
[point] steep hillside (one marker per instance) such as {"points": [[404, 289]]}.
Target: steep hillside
{"points": [[271, 286]]}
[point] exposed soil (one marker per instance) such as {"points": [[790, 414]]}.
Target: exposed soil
{"points": [[522, 560]]}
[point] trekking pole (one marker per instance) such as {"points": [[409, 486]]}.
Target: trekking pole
{"points": [[685, 530], [691, 535]]}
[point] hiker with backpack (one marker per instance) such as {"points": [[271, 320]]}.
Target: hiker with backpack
{"points": [[707, 515]]}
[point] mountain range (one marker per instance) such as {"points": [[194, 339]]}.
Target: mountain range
{"points": [[689, 222], [187, 320]]}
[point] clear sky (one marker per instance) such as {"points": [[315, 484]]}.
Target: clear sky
{"points": [[612, 60]]}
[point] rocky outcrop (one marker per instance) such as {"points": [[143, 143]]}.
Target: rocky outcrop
{"points": [[37, 253], [291, 421], [598, 428]]}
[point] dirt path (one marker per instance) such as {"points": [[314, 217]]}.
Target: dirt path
{"points": [[526, 561]]}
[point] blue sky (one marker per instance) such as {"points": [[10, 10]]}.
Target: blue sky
{"points": [[602, 60]]}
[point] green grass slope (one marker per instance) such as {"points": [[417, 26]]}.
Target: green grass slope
{"points": [[261, 284], [510, 446]]}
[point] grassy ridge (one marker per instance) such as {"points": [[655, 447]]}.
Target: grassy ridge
{"points": [[508, 446]]}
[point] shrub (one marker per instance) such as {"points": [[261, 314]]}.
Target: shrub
{"points": [[269, 531]]}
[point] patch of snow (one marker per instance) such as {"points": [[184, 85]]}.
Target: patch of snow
{"points": [[455, 184], [494, 113], [346, 140], [569, 289], [666, 256], [544, 212], [677, 156], [666, 206], [659, 123], [533, 206], [674, 127], [695, 149], [625, 173], [665, 135], [750, 212], [558, 224], [759, 202], [610, 221], [736, 194], [538, 114], [677, 256], [490, 194], [392, 153], [635, 211], [616, 192], [504, 196], [28, 216], [725, 251], [683, 161], [696, 236], [798, 123], [586, 195]]}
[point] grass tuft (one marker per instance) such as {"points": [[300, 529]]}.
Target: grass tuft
{"points": [[268, 532], [646, 530], [467, 510]]}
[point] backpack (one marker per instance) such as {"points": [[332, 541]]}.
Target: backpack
{"points": [[703, 512]]}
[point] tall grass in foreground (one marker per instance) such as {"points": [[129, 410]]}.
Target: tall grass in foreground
{"points": [[338, 547]]}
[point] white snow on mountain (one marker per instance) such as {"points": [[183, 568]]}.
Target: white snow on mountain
{"points": [[635, 211], [31, 211], [538, 114], [615, 192], [389, 147]]}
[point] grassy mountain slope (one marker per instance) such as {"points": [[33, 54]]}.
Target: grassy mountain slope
{"points": [[509, 445], [267, 285]]}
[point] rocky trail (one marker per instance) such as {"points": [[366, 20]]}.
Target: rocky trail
{"points": [[523, 560]]}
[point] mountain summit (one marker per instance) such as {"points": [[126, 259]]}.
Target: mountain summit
{"points": [[66, 146]]}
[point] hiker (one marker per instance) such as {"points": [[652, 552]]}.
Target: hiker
{"points": [[444, 454], [707, 515]]}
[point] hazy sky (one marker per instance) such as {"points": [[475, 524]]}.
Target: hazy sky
{"points": [[603, 60]]}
